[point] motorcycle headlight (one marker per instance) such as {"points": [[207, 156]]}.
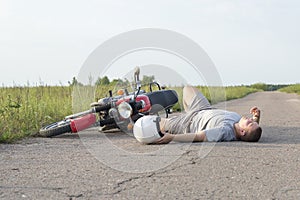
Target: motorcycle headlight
{"points": [[125, 110]]}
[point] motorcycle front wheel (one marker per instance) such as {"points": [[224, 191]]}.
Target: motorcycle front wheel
{"points": [[56, 128]]}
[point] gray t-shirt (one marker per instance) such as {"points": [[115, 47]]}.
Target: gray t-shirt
{"points": [[218, 125]]}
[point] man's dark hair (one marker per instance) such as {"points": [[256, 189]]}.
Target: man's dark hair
{"points": [[254, 136]]}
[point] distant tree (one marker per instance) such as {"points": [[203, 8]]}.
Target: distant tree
{"points": [[147, 79], [260, 86], [120, 82], [105, 81], [74, 82], [98, 81], [115, 81], [102, 81]]}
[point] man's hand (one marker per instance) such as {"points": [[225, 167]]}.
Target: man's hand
{"points": [[255, 111], [165, 139]]}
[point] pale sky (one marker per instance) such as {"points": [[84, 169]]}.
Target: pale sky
{"points": [[248, 41]]}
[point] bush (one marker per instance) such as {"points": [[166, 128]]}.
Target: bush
{"points": [[260, 86], [291, 89]]}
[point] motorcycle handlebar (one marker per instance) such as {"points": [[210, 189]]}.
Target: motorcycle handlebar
{"points": [[135, 106], [103, 107], [139, 105]]}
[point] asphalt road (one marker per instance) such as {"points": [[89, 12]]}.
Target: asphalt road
{"points": [[115, 166]]}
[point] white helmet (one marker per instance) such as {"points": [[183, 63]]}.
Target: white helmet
{"points": [[146, 129]]}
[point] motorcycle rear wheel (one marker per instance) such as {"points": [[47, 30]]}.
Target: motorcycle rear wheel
{"points": [[55, 129]]}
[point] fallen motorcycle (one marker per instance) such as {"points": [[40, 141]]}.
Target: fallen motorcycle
{"points": [[119, 111]]}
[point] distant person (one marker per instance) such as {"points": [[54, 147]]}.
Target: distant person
{"points": [[201, 122]]}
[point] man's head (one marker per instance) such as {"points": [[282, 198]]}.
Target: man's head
{"points": [[249, 130]]}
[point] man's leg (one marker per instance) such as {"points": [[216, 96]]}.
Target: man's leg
{"points": [[193, 99], [188, 94]]}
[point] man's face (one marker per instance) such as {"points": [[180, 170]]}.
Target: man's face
{"points": [[248, 124]]}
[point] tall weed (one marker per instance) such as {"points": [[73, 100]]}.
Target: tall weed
{"points": [[23, 110]]}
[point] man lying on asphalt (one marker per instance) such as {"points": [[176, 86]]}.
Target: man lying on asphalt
{"points": [[201, 122]]}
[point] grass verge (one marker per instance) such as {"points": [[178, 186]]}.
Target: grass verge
{"points": [[291, 89]]}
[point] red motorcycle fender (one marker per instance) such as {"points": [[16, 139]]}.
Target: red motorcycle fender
{"points": [[82, 123]]}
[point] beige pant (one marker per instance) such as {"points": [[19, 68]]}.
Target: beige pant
{"points": [[193, 101]]}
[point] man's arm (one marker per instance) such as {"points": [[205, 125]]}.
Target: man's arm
{"points": [[187, 137]]}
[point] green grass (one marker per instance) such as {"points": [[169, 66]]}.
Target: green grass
{"points": [[23, 110], [291, 89]]}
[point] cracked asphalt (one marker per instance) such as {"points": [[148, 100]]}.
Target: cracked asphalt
{"points": [[75, 166]]}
